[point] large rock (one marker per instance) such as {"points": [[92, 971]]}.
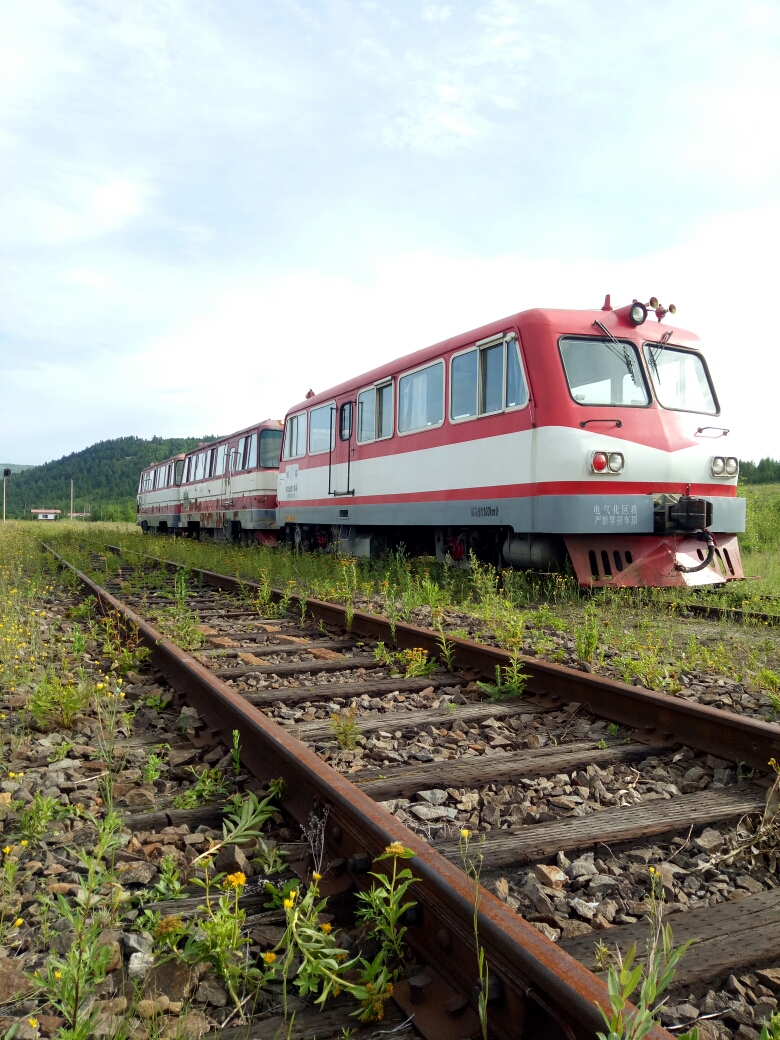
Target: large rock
{"points": [[13, 982], [138, 873], [210, 991], [230, 860], [550, 877], [193, 1026], [172, 979]]}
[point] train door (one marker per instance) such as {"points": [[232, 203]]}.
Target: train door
{"points": [[226, 490], [341, 472]]}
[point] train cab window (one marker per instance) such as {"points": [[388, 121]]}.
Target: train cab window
{"points": [[603, 372], [250, 452], [345, 423], [322, 429], [200, 468], [189, 475], [421, 398], [238, 458], [169, 475], [270, 448], [516, 389], [179, 472], [295, 437], [680, 379], [220, 458]]}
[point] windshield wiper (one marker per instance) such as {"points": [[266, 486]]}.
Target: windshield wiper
{"points": [[624, 355], [655, 354]]}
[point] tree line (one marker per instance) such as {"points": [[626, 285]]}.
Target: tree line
{"points": [[105, 477]]}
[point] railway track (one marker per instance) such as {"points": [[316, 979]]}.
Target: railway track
{"points": [[578, 789]]}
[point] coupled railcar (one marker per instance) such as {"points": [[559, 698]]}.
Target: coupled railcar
{"points": [[549, 434], [223, 490]]}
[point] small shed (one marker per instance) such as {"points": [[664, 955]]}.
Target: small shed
{"points": [[45, 514]]}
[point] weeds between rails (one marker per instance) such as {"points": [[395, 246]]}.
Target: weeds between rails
{"points": [[640, 636], [111, 926], [524, 891]]}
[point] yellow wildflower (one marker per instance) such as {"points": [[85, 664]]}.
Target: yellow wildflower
{"points": [[316, 876], [23, 842], [100, 686], [395, 849], [465, 833], [6, 850], [57, 974], [11, 776], [269, 957], [33, 1023], [236, 880], [18, 922], [327, 928]]}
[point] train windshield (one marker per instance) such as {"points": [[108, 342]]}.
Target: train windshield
{"points": [[604, 372], [680, 379]]}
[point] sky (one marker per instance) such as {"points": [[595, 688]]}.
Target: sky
{"points": [[207, 209]]}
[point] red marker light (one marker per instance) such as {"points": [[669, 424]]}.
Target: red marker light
{"points": [[599, 462]]}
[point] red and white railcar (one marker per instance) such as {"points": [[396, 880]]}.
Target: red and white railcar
{"points": [[223, 490], [549, 433], [159, 496]]}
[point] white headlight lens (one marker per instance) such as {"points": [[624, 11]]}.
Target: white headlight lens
{"points": [[718, 466], [732, 466], [638, 313], [615, 462]]}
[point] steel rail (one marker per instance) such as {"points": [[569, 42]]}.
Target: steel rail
{"points": [[537, 989], [658, 716]]}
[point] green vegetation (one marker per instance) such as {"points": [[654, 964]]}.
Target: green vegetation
{"points": [[767, 471], [105, 477], [653, 977]]}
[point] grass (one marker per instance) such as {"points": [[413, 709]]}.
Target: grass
{"points": [[636, 635]]}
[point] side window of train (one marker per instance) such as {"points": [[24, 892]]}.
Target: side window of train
{"points": [[270, 448], [295, 437], [179, 471], [190, 468], [238, 461], [322, 429], [375, 414], [219, 456], [421, 398], [250, 452], [345, 423], [200, 469], [487, 379]]}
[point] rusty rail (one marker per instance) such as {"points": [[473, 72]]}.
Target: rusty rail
{"points": [[656, 715], [538, 989]]}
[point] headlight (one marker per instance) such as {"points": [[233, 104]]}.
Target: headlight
{"points": [[638, 313], [732, 467], [718, 466], [616, 461]]}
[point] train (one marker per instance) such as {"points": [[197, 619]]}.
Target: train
{"points": [[590, 439]]}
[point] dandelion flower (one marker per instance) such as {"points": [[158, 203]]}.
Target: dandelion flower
{"points": [[269, 957], [6, 850]]}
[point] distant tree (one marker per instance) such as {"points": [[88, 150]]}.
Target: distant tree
{"points": [[767, 471], [105, 474]]}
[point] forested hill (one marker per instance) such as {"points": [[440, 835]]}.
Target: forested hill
{"points": [[105, 474]]}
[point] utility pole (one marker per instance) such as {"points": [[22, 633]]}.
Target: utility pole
{"points": [[6, 475], [71, 498]]}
